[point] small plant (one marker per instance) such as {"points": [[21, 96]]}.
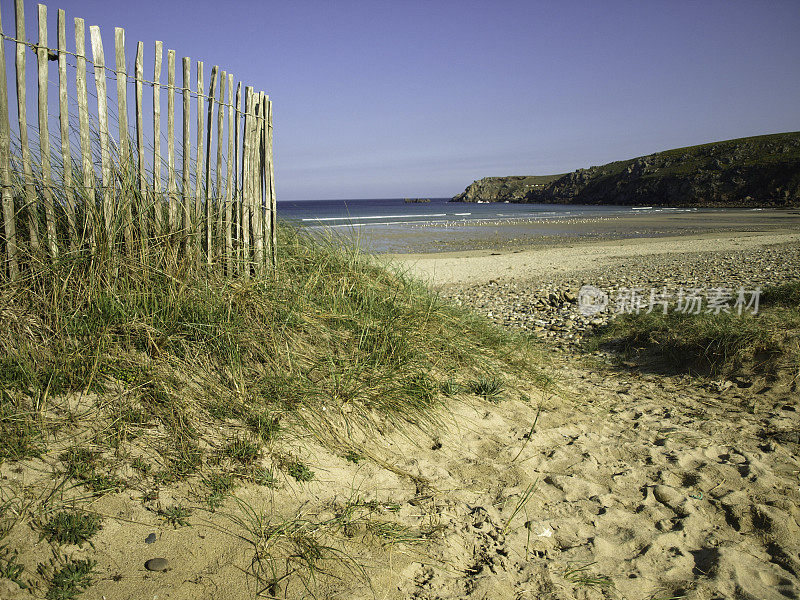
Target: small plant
{"points": [[71, 528], [79, 462], [264, 425], [262, 476], [134, 416], [450, 388], [420, 390], [219, 485], [580, 577], [70, 581], [141, 465], [163, 477], [393, 533], [353, 457], [188, 456], [9, 568], [176, 515], [488, 388], [242, 451], [300, 471], [104, 484], [20, 433], [521, 504]]}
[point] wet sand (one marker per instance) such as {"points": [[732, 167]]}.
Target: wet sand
{"points": [[522, 234]]}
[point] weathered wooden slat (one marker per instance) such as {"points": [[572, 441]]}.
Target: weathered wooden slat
{"points": [[264, 179], [265, 182], [260, 180], [46, 183], [199, 191], [252, 168], [258, 200], [142, 207], [237, 145], [122, 96], [171, 182], [9, 212], [158, 201], [219, 197], [229, 184], [186, 194], [31, 205], [109, 214], [246, 261], [126, 165], [63, 119], [272, 198], [90, 221], [212, 90]]}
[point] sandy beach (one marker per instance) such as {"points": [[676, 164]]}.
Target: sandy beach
{"points": [[648, 485], [564, 259], [611, 482]]}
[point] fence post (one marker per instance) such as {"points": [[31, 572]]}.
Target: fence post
{"points": [[186, 193], [158, 203], [30, 194], [63, 118], [218, 194], [228, 185], [258, 200], [198, 203], [272, 199], [126, 183], [89, 202], [171, 183], [42, 60], [142, 205], [9, 214], [265, 181], [238, 179], [246, 182], [212, 90], [109, 213]]}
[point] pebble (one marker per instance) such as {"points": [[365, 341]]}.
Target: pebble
{"points": [[156, 564], [150, 538], [545, 306]]}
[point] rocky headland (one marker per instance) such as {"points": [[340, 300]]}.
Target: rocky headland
{"points": [[747, 172]]}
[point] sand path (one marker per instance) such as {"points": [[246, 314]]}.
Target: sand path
{"points": [[645, 486]]}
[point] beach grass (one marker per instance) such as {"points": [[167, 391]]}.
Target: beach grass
{"points": [[328, 329], [710, 343], [138, 378]]}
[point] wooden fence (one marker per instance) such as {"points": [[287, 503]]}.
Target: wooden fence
{"points": [[217, 212]]}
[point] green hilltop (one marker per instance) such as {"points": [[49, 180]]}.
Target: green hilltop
{"points": [[754, 171]]}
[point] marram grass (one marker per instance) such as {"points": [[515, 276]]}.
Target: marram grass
{"points": [[329, 336]]}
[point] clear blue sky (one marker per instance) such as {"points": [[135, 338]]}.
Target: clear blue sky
{"points": [[393, 99]]}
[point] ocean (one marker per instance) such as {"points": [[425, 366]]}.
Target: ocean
{"points": [[393, 225]]}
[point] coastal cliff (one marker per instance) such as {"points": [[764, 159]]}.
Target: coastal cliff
{"points": [[754, 171], [499, 189]]}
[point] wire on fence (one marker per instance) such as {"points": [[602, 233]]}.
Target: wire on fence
{"points": [[118, 205]]}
